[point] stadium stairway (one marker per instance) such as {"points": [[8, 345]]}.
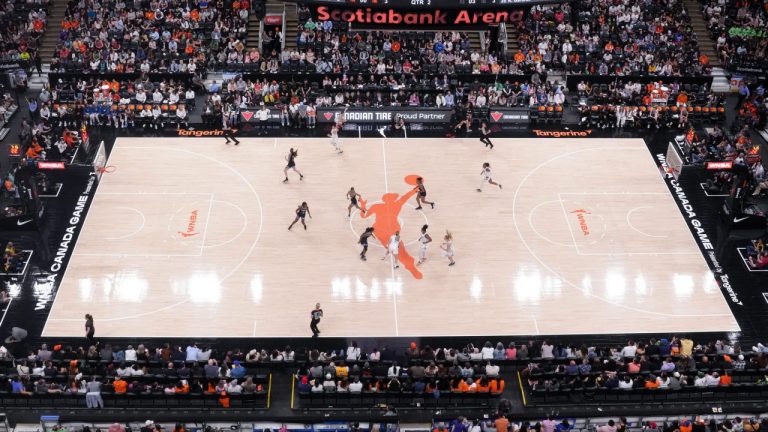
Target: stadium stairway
{"points": [[291, 24], [720, 82], [699, 25], [513, 45], [51, 36], [252, 32], [474, 41]]}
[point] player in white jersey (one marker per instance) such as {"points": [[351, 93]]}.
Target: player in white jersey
{"points": [[486, 177], [447, 247], [424, 241], [334, 136], [393, 247]]}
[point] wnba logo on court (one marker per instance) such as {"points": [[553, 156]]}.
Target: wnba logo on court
{"points": [[582, 220], [190, 226]]}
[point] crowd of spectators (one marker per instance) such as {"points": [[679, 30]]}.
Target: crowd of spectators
{"points": [[297, 101], [139, 36], [717, 144], [672, 363], [22, 23], [753, 106], [428, 371], [331, 47], [659, 363], [118, 103], [502, 422], [756, 254], [628, 104], [739, 29], [129, 370], [627, 37]]}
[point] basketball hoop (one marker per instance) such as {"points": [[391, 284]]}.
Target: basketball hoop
{"points": [[105, 169]]}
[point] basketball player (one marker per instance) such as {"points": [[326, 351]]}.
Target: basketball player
{"points": [[465, 122], [484, 134], [424, 240], [393, 247], [353, 197], [364, 242], [486, 174], [301, 212], [447, 247], [341, 118], [334, 136], [422, 195], [315, 316], [291, 158]]}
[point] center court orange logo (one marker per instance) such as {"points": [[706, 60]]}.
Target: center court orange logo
{"points": [[191, 225], [386, 223], [582, 220]]}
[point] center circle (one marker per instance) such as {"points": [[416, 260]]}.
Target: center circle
{"points": [[399, 220]]}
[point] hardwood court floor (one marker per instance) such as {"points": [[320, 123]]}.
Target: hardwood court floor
{"points": [[188, 237]]}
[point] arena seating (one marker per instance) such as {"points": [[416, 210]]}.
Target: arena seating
{"points": [[21, 26], [707, 374], [141, 39], [65, 380], [738, 27], [632, 38]]}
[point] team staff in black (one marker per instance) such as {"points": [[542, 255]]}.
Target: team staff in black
{"points": [[229, 134], [315, 315], [90, 330], [397, 127]]}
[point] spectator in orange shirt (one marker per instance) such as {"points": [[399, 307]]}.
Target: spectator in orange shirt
{"points": [[459, 386], [502, 424], [682, 99], [725, 379], [497, 386], [120, 385], [182, 387], [652, 382], [483, 385]]}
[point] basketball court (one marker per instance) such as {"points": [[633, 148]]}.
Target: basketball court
{"points": [[188, 237]]}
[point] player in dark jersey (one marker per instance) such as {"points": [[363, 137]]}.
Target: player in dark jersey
{"points": [[422, 194], [353, 197], [315, 316], [466, 122], [301, 212], [484, 134], [291, 158], [364, 242]]}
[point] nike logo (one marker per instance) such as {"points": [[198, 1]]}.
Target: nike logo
{"points": [[184, 234], [737, 220], [20, 223]]}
